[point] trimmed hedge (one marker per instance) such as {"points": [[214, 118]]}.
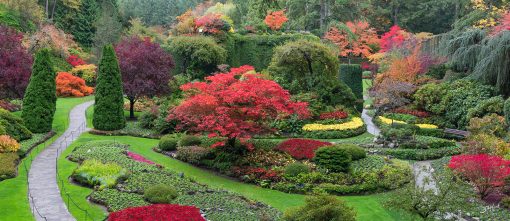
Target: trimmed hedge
{"points": [[257, 50], [335, 134], [335, 159], [8, 162], [507, 111], [352, 75], [169, 142], [108, 109], [40, 100], [418, 154]]}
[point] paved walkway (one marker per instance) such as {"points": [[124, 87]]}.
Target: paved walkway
{"points": [[42, 176], [371, 128]]}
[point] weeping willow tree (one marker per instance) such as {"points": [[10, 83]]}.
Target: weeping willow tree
{"points": [[493, 66], [463, 49]]}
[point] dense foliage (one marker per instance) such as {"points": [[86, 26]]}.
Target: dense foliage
{"points": [[71, 86], [158, 212], [15, 64]]}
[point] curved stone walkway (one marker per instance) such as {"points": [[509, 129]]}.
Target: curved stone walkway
{"points": [[371, 127], [42, 176]]}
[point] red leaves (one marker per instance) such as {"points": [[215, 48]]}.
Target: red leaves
{"points": [[74, 60], [15, 64], [394, 38], [256, 173], [158, 212], [211, 23], [71, 86], [276, 20], [301, 148], [416, 113], [504, 25], [333, 115], [485, 172], [356, 41], [237, 104]]}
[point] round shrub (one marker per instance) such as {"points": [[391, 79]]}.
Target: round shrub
{"points": [[356, 152], [8, 144], [295, 169], [301, 148], [147, 119], [189, 140], [169, 142], [334, 159], [162, 194], [321, 208]]}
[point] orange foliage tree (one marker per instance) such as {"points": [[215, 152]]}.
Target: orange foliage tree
{"points": [[354, 39], [72, 86], [276, 20]]}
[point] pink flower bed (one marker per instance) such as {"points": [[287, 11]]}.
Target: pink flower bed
{"points": [[139, 158]]}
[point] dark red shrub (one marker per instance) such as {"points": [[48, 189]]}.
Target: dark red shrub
{"points": [[74, 60], [256, 173], [158, 212], [301, 148], [334, 115], [416, 113]]}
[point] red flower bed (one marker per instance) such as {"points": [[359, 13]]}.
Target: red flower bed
{"points": [[74, 60], [416, 113], [158, 212], [333, 115], [139, 158], [301, 148], [256, 173]]}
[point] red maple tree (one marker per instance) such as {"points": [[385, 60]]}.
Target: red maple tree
{"points": [[356, 39], [275, 20], [74, 60], [485, 172], [393, 38], [235, 105]]}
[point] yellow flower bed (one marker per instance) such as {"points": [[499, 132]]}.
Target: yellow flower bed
{"points": [[390, 121], [355, 123], [422, 126]]}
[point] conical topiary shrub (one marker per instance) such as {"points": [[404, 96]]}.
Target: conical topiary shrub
{"points": [[39, 102], [108, 110]]}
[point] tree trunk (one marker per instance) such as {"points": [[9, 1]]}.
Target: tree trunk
{"points": [[322, 14], [132, 108]]}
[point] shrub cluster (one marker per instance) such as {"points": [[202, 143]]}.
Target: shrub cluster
{"points": [[8, 144], [160, 193], [13, 126], [301, 148]]}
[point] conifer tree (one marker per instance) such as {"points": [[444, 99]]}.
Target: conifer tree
{"points": [[108, 110], [39, 102]]}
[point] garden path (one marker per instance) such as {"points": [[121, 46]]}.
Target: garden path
{"points": [[371, 127], [46, 201]]}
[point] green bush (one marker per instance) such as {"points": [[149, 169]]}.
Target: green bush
{"points": [[295, 169], [334, 159], [410, 119], [356, 152], [13, 126], [192, 154], [169, 142], [8, 162], [39, 102], [196, 56], [109, 105], [321, 208], [351, 75], [507, 111], [160, 194], [334, 134], [147, 119], [429, 96], [95, 173], [419, 154], [426, 142], [493, 105], [189, 140]]}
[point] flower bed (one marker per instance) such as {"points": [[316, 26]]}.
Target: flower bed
{"points": [[139, 158], [216, 204], [389, 121], [351, 128], [158, 212], [95, 173], [301, 148]]}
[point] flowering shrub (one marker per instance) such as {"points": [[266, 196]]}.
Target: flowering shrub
{"points": [[212, 24], [256, 174], [74, 60], [355, 123], [416, 113], [301, 148], [87, 72], [389, 121], [8, 144], [158, 212], [333, 115], [71, 86], [485, 172], [275, 20], [139, 158]]}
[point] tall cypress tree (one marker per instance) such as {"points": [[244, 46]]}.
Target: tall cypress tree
{"points": [[108, 110], [39, 103]]}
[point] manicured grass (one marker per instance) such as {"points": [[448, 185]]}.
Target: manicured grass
{"points": [[368, 207], [14, 204]]}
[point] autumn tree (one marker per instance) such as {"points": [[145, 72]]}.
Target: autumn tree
{"points": [[236, 105], [354, 39], [71, 86], [485, 172], [275, 20], [393, 38], [15, 64], [39, 102], [145, 69]]}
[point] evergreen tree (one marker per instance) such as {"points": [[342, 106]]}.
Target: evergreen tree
{"points": [[108, 110], [78, 20], [39, 103], [108, 26]]}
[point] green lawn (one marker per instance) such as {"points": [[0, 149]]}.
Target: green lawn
{"points": [[368, 207], [14, 203]]}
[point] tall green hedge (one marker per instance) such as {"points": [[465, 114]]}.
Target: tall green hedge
{"points": [[39, 103], [257, 50], [352, 75], [108, 110], [506, 109]]}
